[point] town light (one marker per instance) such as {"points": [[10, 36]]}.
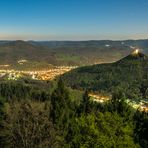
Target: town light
{"points": [[136, 51]]}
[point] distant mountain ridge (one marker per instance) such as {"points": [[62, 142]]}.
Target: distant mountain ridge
{"points": [[142, 43], [68, 53]]}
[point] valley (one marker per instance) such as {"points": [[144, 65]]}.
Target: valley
{"points": [[74, 74], [142, 105], [64, 96], [48, 74], [37, 55], [53, 72]]}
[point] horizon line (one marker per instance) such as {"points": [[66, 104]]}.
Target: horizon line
{"points": [[73, 40]]}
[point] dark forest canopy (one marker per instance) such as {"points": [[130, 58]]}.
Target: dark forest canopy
{"points": [[63, 118], [130, 74]]}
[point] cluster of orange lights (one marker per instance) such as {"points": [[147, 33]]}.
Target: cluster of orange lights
{"points": [[136, 51]]}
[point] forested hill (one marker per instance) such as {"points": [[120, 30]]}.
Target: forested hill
{"points": [[129, 74]]}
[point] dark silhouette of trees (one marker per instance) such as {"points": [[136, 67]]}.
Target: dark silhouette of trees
{"points": [[141, 128], [60, 105]]}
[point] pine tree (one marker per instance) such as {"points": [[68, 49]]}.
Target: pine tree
{"points": [[1, 109], [2, 114], [85, 104], [60, 105]]}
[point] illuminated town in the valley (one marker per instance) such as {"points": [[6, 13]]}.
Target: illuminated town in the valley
{"points": [[52, 73], [35, 74]]}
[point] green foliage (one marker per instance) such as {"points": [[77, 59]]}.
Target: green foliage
{"points": [[27, 124], [118, 104], [2, 102], [2, 117], [60, 105], [103, 130], [66, 118], [24, 89], [128, 74], [141, 128], [84, 106]]}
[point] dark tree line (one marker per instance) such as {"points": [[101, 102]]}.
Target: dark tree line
{"points": [[59, 122]]}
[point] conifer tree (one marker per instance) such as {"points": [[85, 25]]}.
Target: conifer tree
{"points": [[60, 105]]}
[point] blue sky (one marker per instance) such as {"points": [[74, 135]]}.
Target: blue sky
{"points": [[73, 19]]}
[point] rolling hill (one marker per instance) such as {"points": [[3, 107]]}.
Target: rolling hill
{"points": [[68, 53], [130, 74]]}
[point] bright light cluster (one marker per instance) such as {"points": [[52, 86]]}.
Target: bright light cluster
{"points": [[136, 51]]}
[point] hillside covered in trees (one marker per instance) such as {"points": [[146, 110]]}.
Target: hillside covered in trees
{"points": [[129, 74], [57, 116], [50, 114]]}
